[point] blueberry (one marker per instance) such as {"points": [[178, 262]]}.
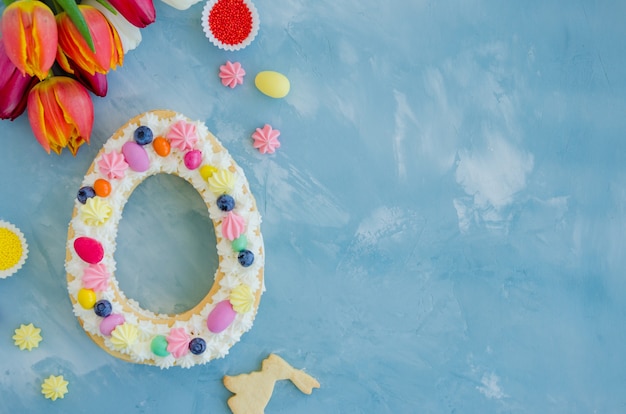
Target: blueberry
{"points": [[225, 202], [143, 135], [84, 193], [103, 308], [245, 257], [197, 346]]}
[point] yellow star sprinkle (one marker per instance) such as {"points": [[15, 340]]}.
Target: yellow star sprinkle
{"points": [[54, 387], [27, 337]]}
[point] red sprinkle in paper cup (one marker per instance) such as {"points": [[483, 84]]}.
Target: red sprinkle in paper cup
{"points": [[230, 24]]}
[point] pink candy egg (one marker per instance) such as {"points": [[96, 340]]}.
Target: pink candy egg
{"points": [[136, 156], [221, 317], [108, 324], [193, 159], [88, 249]]}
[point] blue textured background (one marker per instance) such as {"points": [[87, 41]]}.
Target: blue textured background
{"points": [[444, 222]]}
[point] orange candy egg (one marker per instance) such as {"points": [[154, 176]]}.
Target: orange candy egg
{"points": [[161, 146], [102, 187]]}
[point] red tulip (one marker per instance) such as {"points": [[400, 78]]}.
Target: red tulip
{"points": [[61, 114], [96, 83], [139, 13], [30, 36], [72, 46], [14, 87]]}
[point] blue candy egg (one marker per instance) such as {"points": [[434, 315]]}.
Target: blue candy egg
{"points": [[245, 257], [84, 193], [197, 346], [103, 308], [143, 135], [225, 202]]}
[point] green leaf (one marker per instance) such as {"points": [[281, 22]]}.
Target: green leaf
{"points": [[107, 6], [71, 8]]}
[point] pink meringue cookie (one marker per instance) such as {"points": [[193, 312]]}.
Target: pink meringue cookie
{"points": [[96, 277], [178, 342], [112, 164], [231, 74], [183, 135], [266, 139], [232, 226]]}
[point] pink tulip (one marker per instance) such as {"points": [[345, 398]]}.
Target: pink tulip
{"points": [[72, 46], [29, 35], [61, 114], [14, 87], [139, 13]]}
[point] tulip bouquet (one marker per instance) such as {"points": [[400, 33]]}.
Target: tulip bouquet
{"points": [[53, 53]]}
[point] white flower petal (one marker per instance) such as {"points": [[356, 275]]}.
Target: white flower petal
{"points": [[181, 4]]}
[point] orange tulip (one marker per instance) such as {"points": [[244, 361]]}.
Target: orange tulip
{"points": [[29, 34], [61, 114], [72, 46]]}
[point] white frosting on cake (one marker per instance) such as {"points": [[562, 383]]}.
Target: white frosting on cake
{"points": [[231, 272]]}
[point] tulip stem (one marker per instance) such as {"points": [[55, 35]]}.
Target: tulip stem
{"points": [[107, 6], [7, 2], [54, 6]]}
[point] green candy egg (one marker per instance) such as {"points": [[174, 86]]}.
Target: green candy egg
{"points": [[159, 346], [239, 243]]}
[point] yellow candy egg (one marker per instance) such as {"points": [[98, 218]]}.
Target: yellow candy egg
{"points": [[273, 84], [87, 298], [206, 171]]}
